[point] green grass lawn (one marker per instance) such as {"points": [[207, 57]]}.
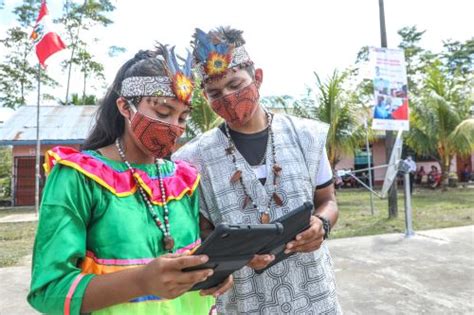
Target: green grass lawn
{"points": [[431, 210], [16, 241]]}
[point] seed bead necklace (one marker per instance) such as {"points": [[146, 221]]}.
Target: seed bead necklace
{"points": [[168, 241], [237, 175]]}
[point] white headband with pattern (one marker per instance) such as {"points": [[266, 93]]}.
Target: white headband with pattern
{"points": [[147, 86], [239, 57]]}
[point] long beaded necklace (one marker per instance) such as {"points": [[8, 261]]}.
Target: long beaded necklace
{"points": [[168, 241], [237, 175]]}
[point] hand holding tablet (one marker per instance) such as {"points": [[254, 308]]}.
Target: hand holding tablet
{"points": [[231, 247]]}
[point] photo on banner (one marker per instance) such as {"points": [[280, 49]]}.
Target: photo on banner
{"points": [[390, 111]]}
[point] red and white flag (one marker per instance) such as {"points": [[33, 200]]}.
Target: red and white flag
{"points": [[46, 40]]}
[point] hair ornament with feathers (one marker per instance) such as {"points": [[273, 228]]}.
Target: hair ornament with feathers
{"points": [[181, 76], [175, 82], [218, 51]]}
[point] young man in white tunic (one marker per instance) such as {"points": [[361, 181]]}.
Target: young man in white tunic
{"points": [[258, 166]]}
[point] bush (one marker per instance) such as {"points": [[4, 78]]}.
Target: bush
{"points": [[5, 171], [5, 187]]}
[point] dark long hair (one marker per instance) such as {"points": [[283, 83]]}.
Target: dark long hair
{"points": [[109, 123]]}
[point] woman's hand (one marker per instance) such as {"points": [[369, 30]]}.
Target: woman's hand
{"points": [[164, 276], [220, 289]]}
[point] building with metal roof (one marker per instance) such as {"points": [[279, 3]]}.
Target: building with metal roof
{"points": [[59, 125], [5, 114]]}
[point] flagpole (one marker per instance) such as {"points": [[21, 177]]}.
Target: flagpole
{"points": [[38, 144], [45, 47]]}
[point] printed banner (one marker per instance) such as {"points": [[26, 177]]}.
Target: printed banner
{"points": [[390, 89]]}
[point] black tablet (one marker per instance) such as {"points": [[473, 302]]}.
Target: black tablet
{"points": [[293, 222], [230, 247]]}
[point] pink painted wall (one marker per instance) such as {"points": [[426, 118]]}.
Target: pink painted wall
{"points": [[30, 150], [26, 151], [345, 163], [378, 150]]}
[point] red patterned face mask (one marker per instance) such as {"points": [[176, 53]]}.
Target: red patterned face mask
{"points": [[156, 136], [237, 108]]}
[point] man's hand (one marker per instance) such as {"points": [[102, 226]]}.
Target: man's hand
{"points": [[220, 289], [260, 261], [309, 240]]}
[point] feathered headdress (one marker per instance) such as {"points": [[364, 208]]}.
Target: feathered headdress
{"points": [[181, 77], [216, 54], [177, 82]]}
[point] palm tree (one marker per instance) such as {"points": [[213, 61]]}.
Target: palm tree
{"points": [[440, 122], [334, 106], [202, 118], [346, 132]]}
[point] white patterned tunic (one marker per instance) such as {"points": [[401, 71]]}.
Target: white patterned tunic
{"points": [[302, 284]]}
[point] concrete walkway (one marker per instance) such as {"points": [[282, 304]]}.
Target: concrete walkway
{"points": [[13, 290], [430, 273], [26, 217]]}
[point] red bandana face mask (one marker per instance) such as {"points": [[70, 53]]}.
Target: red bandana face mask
{"points": [[156, 136], [237, 108]]}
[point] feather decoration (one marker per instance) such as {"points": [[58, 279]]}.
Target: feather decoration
{"points": [[172, 61], [180, 76], [231, 36], [168, 56], [205, 45], [188, 64]]}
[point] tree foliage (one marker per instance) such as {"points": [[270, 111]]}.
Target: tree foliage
{"points": [[18, 75], [330, 102], [441, 96], [441, 126], [78, 19], [202, 117]]}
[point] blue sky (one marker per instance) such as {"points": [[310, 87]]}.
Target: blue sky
{"points": [[288, 39]]}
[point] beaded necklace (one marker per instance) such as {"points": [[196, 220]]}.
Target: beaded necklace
{"points": [[168, 241], [237, 175]]}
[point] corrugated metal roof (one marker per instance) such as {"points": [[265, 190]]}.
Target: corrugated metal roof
{"points": [[57, 123], [5, 114]]}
